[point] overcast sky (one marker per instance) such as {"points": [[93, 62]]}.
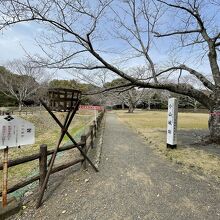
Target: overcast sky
{"points": [[19, 40], [20, 37], [14, 38]]}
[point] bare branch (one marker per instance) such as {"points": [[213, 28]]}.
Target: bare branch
{"points": [[198, 75], [211, 42], [177, 33], [110, 89]]}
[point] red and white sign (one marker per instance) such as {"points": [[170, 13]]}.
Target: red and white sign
{"points": [[91, 107]]}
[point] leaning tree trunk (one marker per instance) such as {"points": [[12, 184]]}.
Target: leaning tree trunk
{"points": [[214, 124]]}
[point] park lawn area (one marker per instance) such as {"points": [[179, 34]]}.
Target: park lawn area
{"points": [[152, 126], [47, 132]]}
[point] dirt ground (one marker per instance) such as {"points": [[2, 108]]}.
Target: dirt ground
{"points": [[198, 139], [134, 182], [194, 149]]}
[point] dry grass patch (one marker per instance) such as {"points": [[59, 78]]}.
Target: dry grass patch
{"points": [[152, 125], [158, 119], [47, 132]]}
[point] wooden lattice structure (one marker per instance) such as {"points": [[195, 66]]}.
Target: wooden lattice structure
{"points": [[63, 99]]}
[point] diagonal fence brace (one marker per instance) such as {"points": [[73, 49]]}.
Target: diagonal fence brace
{"points": [[53, 160], [70, 137], [64, 130]]}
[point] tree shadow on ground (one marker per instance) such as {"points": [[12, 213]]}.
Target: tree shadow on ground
{"points": [[197, 139]]}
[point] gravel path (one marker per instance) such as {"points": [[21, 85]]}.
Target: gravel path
{"points": [[133, 183]]}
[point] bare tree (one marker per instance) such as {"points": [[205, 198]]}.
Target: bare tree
{"points": [[80, 32], [21, 81], [148, 97], [132, 97], [129, 97], [186, 102], [119, 93]]}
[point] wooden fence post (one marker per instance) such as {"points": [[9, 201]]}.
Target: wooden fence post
{"points": [[98, 121], [95, 128], [5, 178], [91, 134], [42, 163], [83, 140]]}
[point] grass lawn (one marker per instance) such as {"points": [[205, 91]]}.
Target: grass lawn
{"points": [[158, 119], [152, 125], [47, 132]]}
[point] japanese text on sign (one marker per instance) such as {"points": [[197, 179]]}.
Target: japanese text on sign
{"points": [[15, 131], [172, 121]]}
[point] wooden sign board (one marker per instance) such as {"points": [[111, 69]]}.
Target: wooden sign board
{"points": [[172, 123], [15, 131]]}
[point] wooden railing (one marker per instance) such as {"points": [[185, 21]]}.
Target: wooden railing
{"points": [[86, 142], [24, 111], [17, 112]]}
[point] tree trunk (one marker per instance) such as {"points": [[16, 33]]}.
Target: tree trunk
{"points": [[123, 105], [131, 108], [20, 106], [214, 125], [149, 103], [195, 105]]}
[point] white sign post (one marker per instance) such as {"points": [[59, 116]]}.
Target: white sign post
{"points": [[14, 132], [172, 123]]}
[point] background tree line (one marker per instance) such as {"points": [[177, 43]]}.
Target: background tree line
{"points": [[22, 84], [24, 87]]}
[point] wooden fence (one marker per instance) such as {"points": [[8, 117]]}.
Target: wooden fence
{"points": [[85, 143], [17, 112], [24, 111]]}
